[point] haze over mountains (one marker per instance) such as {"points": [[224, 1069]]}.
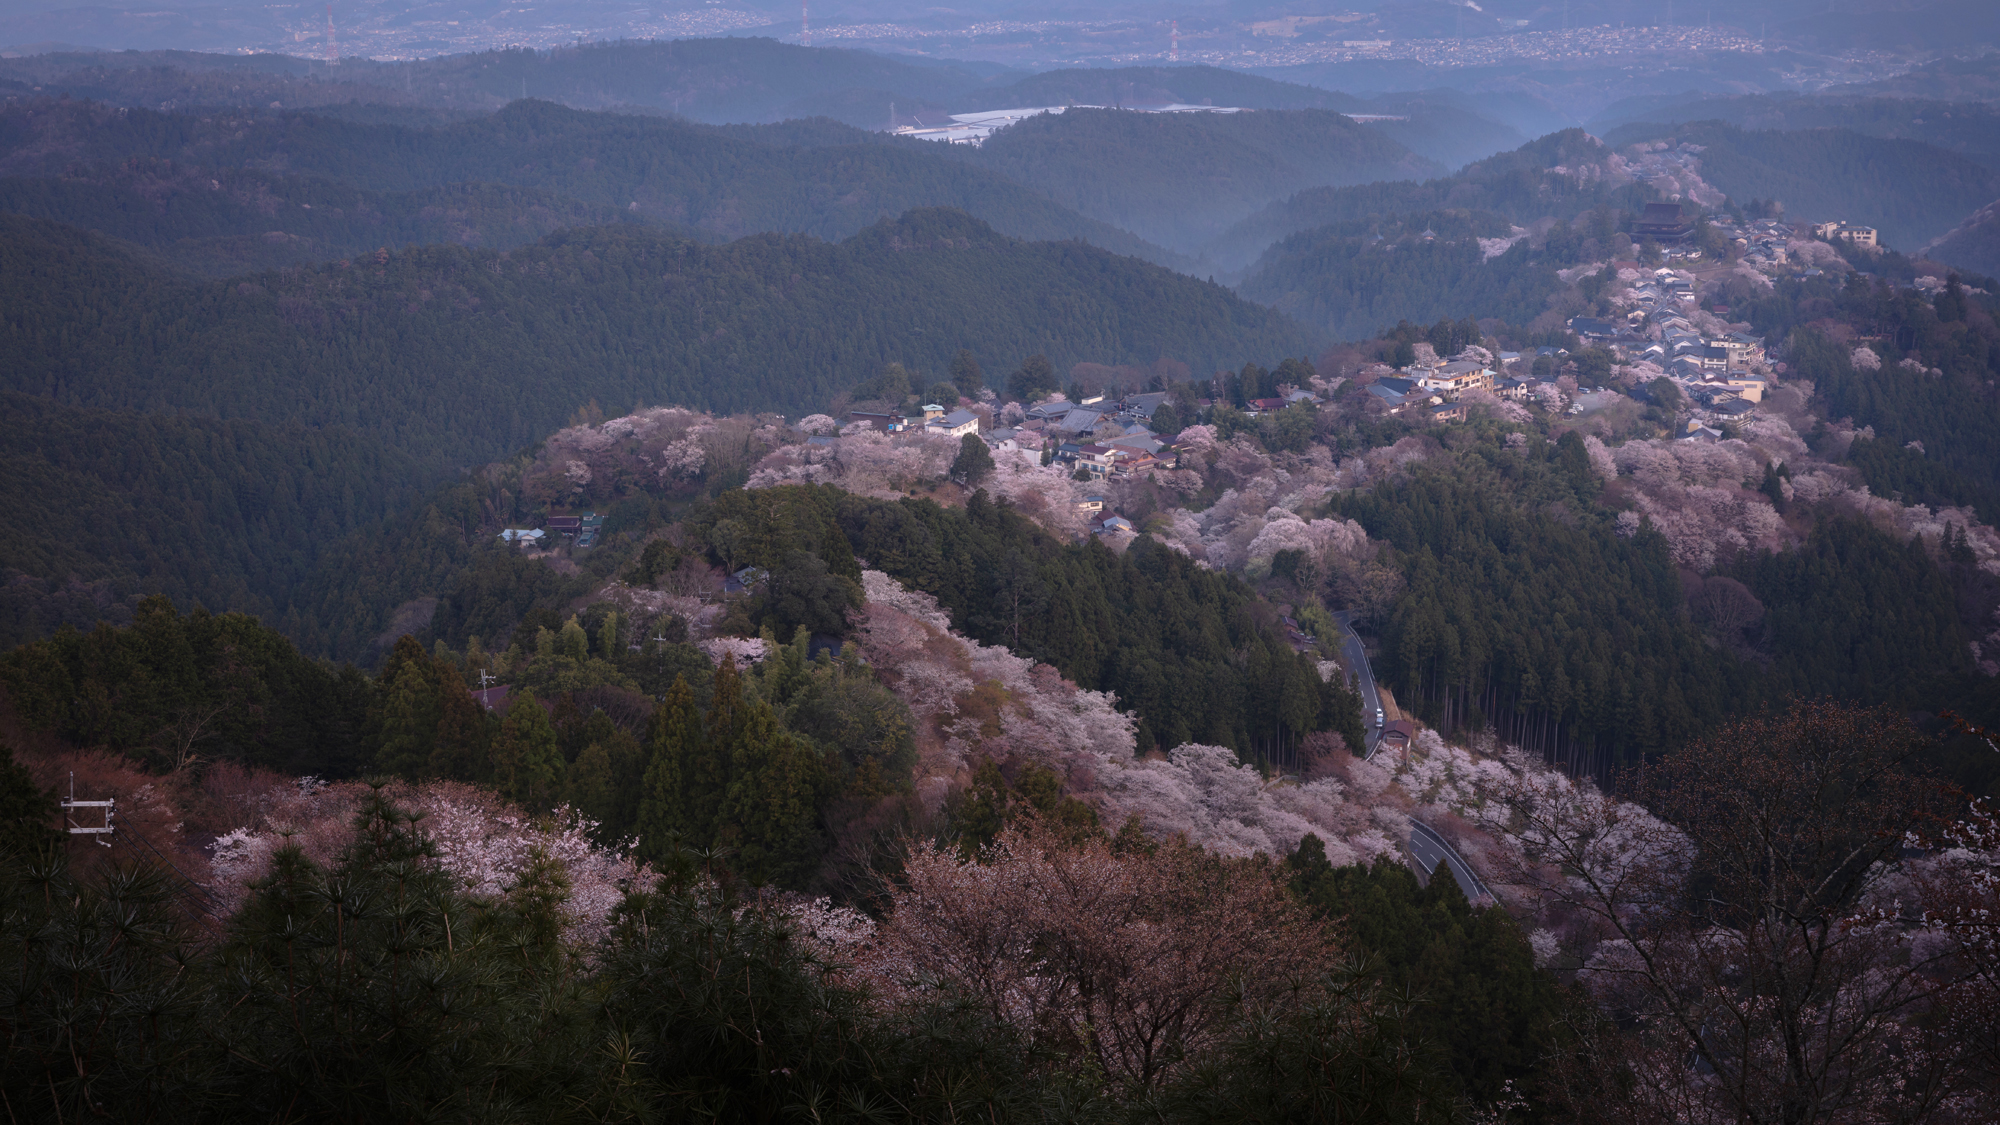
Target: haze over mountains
{"points": [[230, 167], [1204, 565]]}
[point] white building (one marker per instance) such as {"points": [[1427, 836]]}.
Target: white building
{"points": [[958, 423]]}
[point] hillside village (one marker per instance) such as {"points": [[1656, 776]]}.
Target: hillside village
{"points": [[1125, 451], [596, 584]]}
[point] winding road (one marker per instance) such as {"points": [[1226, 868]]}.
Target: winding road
{"points": [[1426, 847], [1371, 700], [1430, 849]]}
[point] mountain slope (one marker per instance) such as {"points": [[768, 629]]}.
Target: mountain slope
{"points": [[1353, 279], [1912, 192], [111, 506], [457, 356], [1439, 125], [224, 222], [1971, 245], [1180, 179], [669, 171], [1522, 185], [1969, 129]]}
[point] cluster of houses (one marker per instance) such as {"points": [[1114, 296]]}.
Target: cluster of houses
{"points": [[1722, 375], [1103, 436], [930, 418], [1763, 243], [1433, 388], [1098, 435], [583, 527]]}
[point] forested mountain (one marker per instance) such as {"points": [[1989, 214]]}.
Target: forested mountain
{"points": [[1953, 415], [458, 355], [227, 221], [1354, 278], [1970, 129], [649, 167], [1973, 244], [1437, 125], [711, 80], [233, 514], [1910, 191], [1520, 186], [1179, 179], [1526, 609], [1486, 551], [1193, 653]]}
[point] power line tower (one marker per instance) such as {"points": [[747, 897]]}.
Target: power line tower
{"points": [[1175, 54], [805, 23], [332, 51], [105, 810]]}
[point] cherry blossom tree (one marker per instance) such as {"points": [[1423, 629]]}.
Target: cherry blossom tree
{"points": [[1126, 962], [1736, 929], [743, 650], [483, 842]]}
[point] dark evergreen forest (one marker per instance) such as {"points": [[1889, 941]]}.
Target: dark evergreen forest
{"points": [[458, 356], [1352, 278], [231, 514], [1525, 610], [1196, 654], [227, 222]]}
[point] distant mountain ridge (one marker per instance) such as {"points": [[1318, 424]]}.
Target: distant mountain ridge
{"points": [[1179, 179], [707, 80], [1969, 128], [711, 180], [1440, 125]]}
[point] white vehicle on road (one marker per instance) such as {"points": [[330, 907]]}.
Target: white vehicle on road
{"points": [[1378, 716]]}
